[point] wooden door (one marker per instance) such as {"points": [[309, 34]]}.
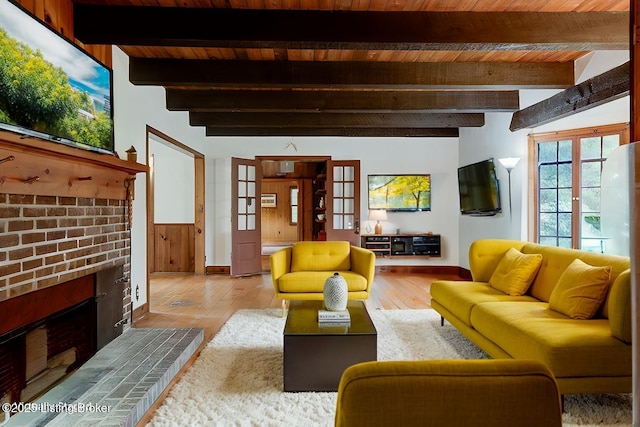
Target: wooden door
{"points": [[343, 200], [245, 217]]}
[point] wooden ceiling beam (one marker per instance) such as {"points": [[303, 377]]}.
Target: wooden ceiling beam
{"points": [[606, 87], [337, 120], [383, 75], [341, 101], [328, 131], [323, 29]]}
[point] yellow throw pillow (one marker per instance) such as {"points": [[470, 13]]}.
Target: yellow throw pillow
{"points": [[515, 272], [580, 290]]}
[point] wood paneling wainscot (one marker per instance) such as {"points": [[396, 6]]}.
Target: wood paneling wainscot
{"points": [[174, 248]]}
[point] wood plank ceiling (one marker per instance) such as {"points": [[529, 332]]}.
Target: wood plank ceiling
{"points": [[361, 67]]}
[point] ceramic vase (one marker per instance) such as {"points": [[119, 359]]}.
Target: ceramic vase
{"points": [[335, 293]]}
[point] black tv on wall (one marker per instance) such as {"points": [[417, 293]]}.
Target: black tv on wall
{"points": [[49, 87], [478, 188]]}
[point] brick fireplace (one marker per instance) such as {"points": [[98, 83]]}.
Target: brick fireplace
{"points": [[48, 240], [64, 259]]}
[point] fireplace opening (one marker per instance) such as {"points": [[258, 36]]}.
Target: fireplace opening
{"points": [[53, 331]]}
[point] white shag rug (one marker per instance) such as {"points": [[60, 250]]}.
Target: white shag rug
{"points": [[237, 379]]}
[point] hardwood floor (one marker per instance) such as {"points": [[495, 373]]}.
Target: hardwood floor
{"points": [[187, 300]]}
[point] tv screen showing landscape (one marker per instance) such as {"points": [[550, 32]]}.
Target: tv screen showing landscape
{"points": [[50, 88], [409, 193]]}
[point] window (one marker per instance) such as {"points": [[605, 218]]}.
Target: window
{"points": [[293, 204], [344, 197], [566, 185]]}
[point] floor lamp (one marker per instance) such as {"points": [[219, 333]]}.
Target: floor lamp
{"points": [[509, 163]]}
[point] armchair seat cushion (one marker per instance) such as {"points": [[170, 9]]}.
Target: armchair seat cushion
{"points": [[313, 281]]}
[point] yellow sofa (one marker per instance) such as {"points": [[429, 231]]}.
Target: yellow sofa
{"points": [[591, 355], [448, 393], [299, 272]]}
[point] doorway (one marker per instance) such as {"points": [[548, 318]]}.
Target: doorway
{"points": [[307, 198], [164, 231], [287, 214]]}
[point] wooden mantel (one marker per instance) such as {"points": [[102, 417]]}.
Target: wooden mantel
{"points": [[35, 166]]}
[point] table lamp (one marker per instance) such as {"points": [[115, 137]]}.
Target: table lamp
{"points": [[378, 215]]}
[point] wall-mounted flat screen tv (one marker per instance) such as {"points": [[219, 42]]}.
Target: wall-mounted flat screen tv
{"points": [[400, 193], [478, 188], [49, 87]]}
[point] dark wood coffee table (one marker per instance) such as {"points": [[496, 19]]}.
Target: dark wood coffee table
{"points": [[316, 355]]}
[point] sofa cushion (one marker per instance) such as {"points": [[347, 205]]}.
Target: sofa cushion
{"points": [[580, 290], [515, 272], [556, 260], [321, 256], [569, 347], [460, 297], [485, 255], [313, 281]]}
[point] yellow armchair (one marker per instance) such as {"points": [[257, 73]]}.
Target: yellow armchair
{"points": [[299, 272], [448, 393]]}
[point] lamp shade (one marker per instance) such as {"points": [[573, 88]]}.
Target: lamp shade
{"points": [[509, 162], [378, 215]]}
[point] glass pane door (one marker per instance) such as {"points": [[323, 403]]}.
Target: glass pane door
{"points": [[245, 217], [568, 173], [343, 198], [555, 193], [343, 192], [593, 153], [246, 197]]}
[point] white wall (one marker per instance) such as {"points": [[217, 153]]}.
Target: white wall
{"points": [[174, 184], [495, 140], [134, 108], [436, 156]]}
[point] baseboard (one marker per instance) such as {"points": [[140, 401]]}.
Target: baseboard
{"points": [[418, 269], [140, 312], [218, 269], [406, 269]]}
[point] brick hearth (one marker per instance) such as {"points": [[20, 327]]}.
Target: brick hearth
{"points": [[122, 380]]}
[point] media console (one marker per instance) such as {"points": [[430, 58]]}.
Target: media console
{"points": [[389, 245]]}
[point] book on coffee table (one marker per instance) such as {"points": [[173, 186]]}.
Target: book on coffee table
{"points": [[333, 316]]}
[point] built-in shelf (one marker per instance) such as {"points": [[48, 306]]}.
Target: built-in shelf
{"points": [[319, 207]]}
